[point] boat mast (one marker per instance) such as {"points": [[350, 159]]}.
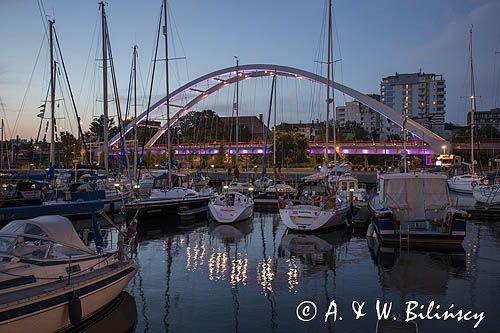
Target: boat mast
{"points": [[328, 80], [274, 126], [473, 106], [105, 88], [236, 106], [135, 108], [52, 95], [165, 34]]}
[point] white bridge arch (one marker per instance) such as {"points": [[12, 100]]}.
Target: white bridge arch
{"points": [[436, 142]]}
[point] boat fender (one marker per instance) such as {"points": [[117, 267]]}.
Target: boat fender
{"points": [[281, 203], [75, 309], [449, 218]]}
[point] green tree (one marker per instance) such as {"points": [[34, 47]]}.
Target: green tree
{"points": [[203, 126], [96, 128], [69, 146], [291, 148]]}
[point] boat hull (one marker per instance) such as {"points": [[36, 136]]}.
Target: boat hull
{"points": [[462, 184], [229, 214], [50, 312], [487, 194], [310, 218], [384, 227]]}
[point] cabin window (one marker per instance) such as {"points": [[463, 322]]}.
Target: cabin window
{"points": [[28, 247], [7, 243], [32, 229], [351, 185], [344, 186]]}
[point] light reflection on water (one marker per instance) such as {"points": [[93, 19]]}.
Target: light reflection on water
{"points": [[251, 276]]}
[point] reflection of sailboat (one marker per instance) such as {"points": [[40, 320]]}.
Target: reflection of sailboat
{"points": [[314, 250], [230, 233], [119, 316]]}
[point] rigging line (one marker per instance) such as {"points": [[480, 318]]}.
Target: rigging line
{"points": [[144, 135], [21, 108], [88, 58], [129, 90], [117, 102], [82, 136], [61, 89]]}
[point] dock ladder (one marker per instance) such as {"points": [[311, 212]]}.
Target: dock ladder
{"points": [[404, 239]]}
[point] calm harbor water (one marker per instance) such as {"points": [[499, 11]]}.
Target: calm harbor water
{"points": [[251, 276]]}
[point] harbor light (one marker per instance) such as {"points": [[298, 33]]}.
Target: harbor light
{"points": [[212, 166], [117, 185], [250, 189], [137, 186], [444, 149], [226, 187]]}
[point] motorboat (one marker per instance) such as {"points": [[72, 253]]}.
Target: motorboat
{"points": [[80, 281], [320, 207], [231, 207], [239, 186], [415, 208]]}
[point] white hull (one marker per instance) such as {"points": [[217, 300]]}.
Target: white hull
{"points": [[310, 218], [487, 194], [230, 214], [55, 316], [463, 184]]}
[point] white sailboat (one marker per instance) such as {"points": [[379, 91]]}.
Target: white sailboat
{"points": [[321, 205], [464, 183], [233, 206], [486, 193]]}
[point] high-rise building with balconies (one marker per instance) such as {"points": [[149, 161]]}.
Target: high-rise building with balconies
{"points": [[420, 95]]}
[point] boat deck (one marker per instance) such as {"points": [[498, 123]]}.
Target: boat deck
{"points": [[58, 286]]}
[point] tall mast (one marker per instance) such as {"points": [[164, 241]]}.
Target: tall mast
{"points": [[105, 87], [1, 149], [473, 107], [329, 64], [52, 95], [274, 126], [165, 34], [237, 107], [135, 108]]}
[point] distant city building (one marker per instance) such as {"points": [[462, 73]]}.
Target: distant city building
{"points": [[310, 130], [484, 118], [254, 124], [354, 111], [420, 95]]}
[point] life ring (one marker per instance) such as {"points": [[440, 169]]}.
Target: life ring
{"points": [[281, 204], [474, 184]]}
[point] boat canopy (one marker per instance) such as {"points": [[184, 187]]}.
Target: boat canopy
{"points": [[411, 195], [55, 228]]}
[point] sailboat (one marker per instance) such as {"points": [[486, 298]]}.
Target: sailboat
{"points": [[321, 205], [80, 281], [268, 190], [487, 191], [167, 194], [232, 206], [465, 183]]}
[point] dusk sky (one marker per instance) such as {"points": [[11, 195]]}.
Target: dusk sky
{"points": [[373, 38]]}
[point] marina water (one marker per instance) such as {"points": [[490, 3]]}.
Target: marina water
{"points": [[252, 276]]}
